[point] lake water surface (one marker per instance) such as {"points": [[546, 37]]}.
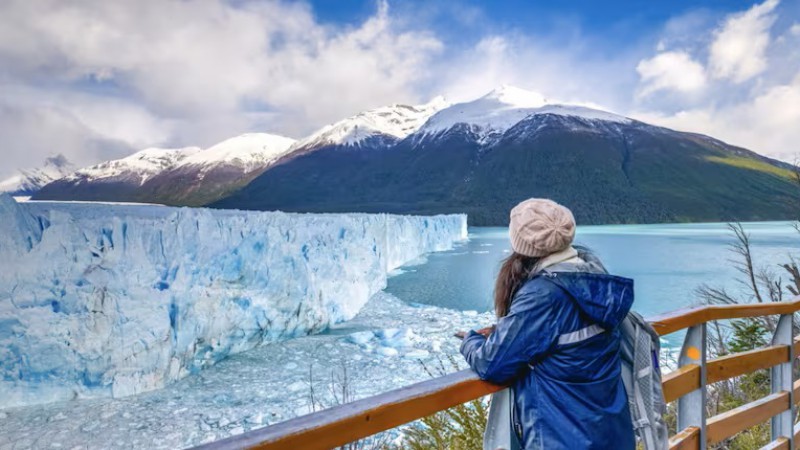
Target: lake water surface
{"points": [[667, 262]]}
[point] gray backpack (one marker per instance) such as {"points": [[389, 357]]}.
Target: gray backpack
{"points": [[639, 350]]}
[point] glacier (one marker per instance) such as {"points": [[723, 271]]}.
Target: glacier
{"points": [[113, 300]]}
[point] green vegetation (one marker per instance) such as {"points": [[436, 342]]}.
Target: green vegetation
{"points": [[753, 164], [746, 335], [458, 428]]}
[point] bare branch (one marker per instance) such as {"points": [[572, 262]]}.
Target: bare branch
{"points": [[794, 271], [745, 265]]}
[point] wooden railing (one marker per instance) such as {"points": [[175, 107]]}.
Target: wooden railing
{"points": [[687, 384]]}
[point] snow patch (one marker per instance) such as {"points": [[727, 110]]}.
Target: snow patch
{"points": [[139, 166], [501, 109], [251, 151], [394, 121]]}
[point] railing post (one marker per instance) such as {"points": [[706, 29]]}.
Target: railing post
{"points": [[781, 380], [692, 406]]}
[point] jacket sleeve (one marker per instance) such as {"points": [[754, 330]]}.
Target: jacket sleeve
{"points": [[526, 333]]}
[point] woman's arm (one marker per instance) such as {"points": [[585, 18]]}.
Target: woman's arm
{"points": [[527, 332]]}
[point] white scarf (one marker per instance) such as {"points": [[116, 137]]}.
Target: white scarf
{"points": [[568, 255]]}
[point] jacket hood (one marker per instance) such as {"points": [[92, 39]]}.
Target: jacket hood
{"points": [[605, 299]]}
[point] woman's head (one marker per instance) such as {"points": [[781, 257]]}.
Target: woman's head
{"points": [[538, 227]]}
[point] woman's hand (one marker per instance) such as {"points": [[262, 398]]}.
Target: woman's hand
{"points": [[485, 332]]}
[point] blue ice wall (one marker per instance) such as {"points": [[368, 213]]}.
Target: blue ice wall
{"points": [[100, 300]]}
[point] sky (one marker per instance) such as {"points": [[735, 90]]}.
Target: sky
{"points": [[96, 80]]}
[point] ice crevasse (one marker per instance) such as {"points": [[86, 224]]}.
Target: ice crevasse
{"points": [[99, 300]]}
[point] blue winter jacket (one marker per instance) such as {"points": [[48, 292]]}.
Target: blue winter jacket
{"points": [[559, 349]]}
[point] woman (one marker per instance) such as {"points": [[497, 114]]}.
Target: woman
{"points": [[557, 340]]}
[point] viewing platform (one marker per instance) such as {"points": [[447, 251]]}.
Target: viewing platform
{"points": [[687, 385]]}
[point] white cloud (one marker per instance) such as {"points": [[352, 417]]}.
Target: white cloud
{"points": [[561, 70], [197, 72], [766, 123], [671, 71], [31, 132], [738, 51], [80, 77], [761, 116]]}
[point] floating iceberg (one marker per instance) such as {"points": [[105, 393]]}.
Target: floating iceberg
{"points": [[99, 300]]}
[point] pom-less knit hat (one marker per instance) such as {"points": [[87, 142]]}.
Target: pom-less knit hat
{"points": [[540, 227]]}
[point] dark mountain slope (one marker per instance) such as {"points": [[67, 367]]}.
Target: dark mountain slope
{"points": [[607, 172], [191, 186]]}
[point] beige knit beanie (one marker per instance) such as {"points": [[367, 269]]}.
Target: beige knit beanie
{"points": [[540, 227]]}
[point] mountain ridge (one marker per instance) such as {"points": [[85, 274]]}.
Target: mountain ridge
{"points": [[188, 176], [608, 168], [29, 181], [482, 156]]}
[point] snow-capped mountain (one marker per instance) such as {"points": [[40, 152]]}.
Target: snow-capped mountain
{"points": [[117, 180], [482, 157], [249, 151], [172, 176], [194, 177], [135, 169], [29, 181], [390, 123], [496, 112], [210, 174]]}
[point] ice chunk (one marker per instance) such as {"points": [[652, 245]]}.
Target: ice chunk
{"points": [[397, 337], [386, 351], [417, 353], [360, 337], [297, 386], [99, 300], [388, 333]]}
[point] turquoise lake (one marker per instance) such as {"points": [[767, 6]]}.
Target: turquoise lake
{"points": [[667, 262]]}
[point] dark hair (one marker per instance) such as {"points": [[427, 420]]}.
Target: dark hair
{"points": [[513, 272]]}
